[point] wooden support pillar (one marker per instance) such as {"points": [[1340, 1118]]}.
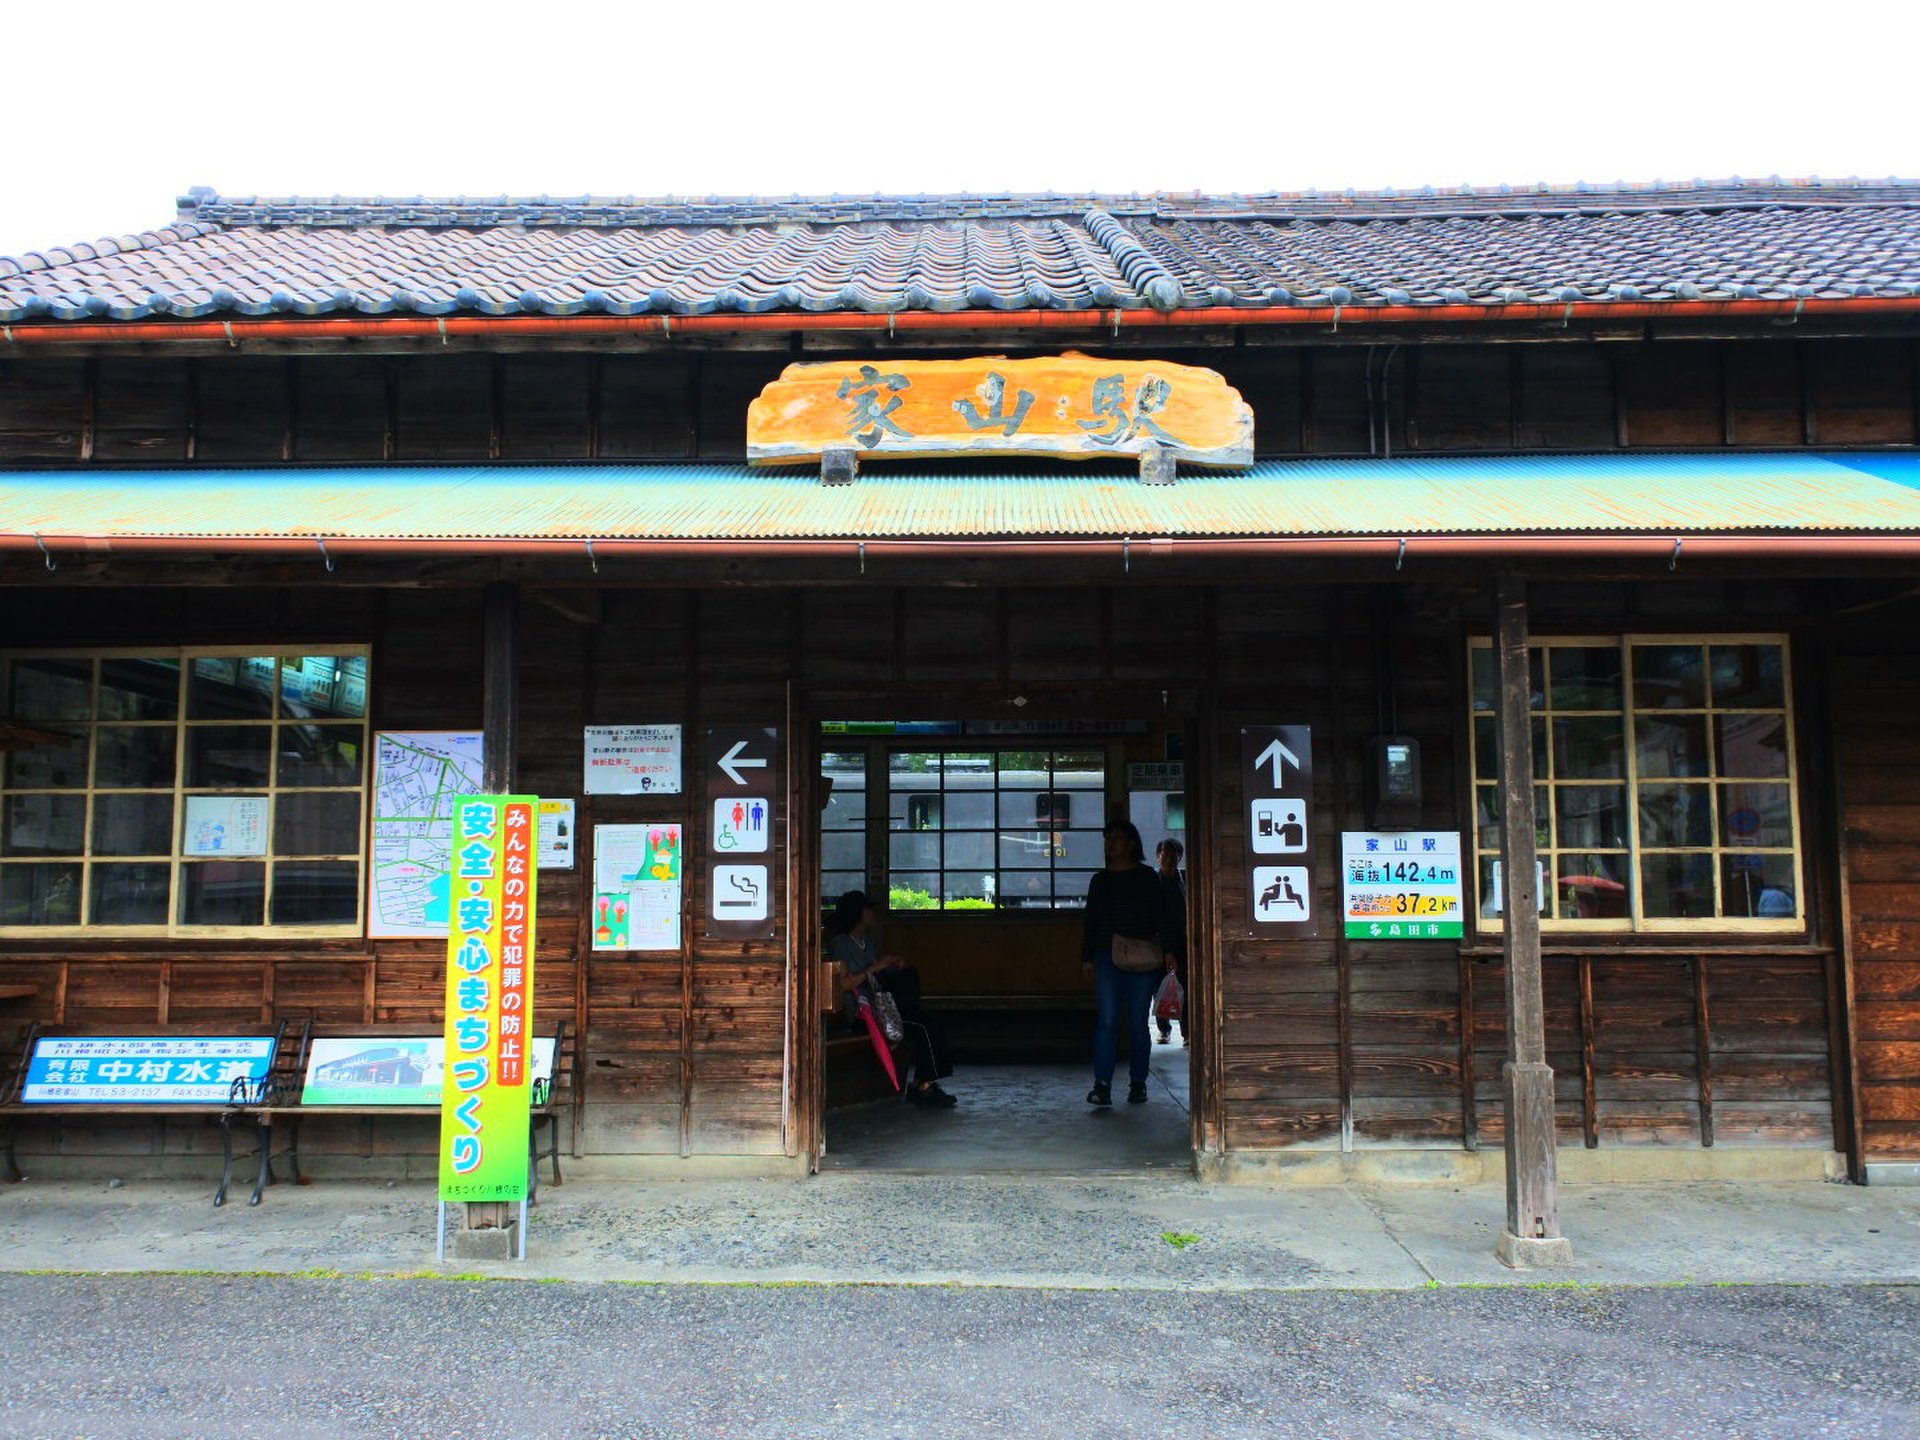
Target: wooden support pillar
{"points": [[1532, 1236], [500, 720]]}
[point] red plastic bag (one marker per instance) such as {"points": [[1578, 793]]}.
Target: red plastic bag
{"points": [[1169, 1001]]}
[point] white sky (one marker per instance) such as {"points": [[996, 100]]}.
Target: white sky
{"points": [[111, 109]]}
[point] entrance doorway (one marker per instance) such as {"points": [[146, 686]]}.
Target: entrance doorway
{"points": [[976, 841]]}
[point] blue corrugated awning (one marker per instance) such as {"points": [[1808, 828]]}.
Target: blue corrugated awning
{"points": [[1654, 494]]}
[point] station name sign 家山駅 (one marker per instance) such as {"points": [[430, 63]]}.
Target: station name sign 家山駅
{"points": [[1068, 406]]}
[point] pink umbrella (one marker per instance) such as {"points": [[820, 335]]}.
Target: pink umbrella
{"points": [[879, 1038]]}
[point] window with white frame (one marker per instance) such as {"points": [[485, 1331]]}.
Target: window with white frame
{"points": [[1664, 783], [184, 790]]}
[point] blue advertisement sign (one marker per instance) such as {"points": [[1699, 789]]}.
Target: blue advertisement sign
{"points": [[141, 1069]]}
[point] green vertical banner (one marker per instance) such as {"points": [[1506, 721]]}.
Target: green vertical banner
{"points": [[486, 1091]]}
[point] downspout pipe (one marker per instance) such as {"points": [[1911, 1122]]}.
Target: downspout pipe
{"points": [[1392, 551], [377, 327]]}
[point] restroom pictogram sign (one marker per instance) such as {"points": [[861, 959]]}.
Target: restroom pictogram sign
{"points": [[1276, 781]]}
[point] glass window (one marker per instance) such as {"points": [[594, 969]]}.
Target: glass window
{"points": [[987, 830], [1664, 782], [843, 824], [173, 783]]}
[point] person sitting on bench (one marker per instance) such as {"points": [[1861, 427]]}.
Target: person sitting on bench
{"points": [[855, 947]]}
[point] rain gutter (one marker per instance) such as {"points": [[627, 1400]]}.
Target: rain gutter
{"points": [[897, 322], [1396, 550]]}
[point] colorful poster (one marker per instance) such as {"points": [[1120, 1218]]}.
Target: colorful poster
{"points": [[225, 825], [146, 1070], [389, 1070], [637, 887], [632, 760], [484, 1117], [416, 775], [557, 826], [1401, 884]]}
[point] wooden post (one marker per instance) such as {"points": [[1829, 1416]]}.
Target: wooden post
{"points": [[500, 720], [1532, 1236]]}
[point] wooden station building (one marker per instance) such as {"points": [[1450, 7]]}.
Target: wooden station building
{"points": [[287, 474]]}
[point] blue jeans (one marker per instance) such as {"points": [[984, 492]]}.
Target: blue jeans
{"points": [[1117, 994]]}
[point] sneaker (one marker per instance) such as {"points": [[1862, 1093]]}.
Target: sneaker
{"points": [[1166, 1036], [1100, 1094], [1137, 1093]]}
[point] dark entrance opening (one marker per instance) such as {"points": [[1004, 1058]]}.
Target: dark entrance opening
{"points": [[976, 840]]}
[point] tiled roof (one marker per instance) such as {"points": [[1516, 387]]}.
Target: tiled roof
{"points": [[1722, 240], [1668, 495]]}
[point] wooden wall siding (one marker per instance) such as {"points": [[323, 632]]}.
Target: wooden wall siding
{"points": [[1325, 400], [1321, 1042], [1876, 697]]}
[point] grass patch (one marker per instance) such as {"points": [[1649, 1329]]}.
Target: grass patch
{"points": [[1179, 1239]]}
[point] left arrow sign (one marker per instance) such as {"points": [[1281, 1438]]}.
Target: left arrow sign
{"points": [[736, 760]]}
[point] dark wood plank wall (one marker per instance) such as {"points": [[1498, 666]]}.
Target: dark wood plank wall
{"points": [[1325, 400], [1876, 697]]}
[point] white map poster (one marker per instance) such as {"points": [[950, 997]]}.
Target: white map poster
{"points": [[416, 774]]}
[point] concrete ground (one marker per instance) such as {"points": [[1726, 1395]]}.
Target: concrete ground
{"points": [[1014, 1118], [1152, 1231], [129, 1357]]}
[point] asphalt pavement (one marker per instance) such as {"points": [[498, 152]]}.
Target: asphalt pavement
{"points": [[125, 1356]]}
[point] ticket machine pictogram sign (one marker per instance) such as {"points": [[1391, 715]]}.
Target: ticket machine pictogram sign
{"points": [[741, 768], [1276, 785]]}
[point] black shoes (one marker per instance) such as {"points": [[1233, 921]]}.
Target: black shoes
{"points": [[931, 1097], [1100, 1094], [1137, 1094]]}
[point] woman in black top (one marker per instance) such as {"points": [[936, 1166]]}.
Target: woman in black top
{"points": [[1124, 899]]}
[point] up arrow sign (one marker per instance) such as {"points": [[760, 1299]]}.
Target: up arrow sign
{"points": [[735, 760], [1275, 754]]}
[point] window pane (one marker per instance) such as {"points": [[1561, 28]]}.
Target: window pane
{"points": [[133, 825], [1591, 887], [1756, 815], [40, 894], [1489, 811], [1758, 887], [1675, 815], [1670, 747], [1028, 889], [1588, 748], [844, 851], [1591, 816], [228, 755], [51, 689], [1748, 675], [1026, 849], [320, 754], [847, 802], [139, 690], [1584, 678], [1676, 887], [1751, 745], [325, 824], [137, 757], [963, 886], [973, 811], [909, 850], [925, 812], [230, 688], [1669, 677], [1079, 770], [129, 895], [44, 825], [969, 850], [1081, 849], [323, 687], [835, 883], [1486, 678], [223, 892], [57, 765], [1024, 770], [1070, 889], [914, 890], [312, 892], [1486, 758], [1493, 891]]}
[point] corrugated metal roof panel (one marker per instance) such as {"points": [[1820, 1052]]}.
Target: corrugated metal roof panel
{"points": [[1492, 495]]}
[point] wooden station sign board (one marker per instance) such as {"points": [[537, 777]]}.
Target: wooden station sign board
{"points": [[1073, 406]]}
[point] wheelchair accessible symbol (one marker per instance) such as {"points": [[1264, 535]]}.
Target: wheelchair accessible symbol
{"points": [[740, 824]]}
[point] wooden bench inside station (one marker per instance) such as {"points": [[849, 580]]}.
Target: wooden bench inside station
{"points": [[344, 1070], [139, 1072]]}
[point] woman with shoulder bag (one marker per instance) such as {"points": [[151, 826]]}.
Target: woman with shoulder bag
{"points": [[1123, 949]]}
